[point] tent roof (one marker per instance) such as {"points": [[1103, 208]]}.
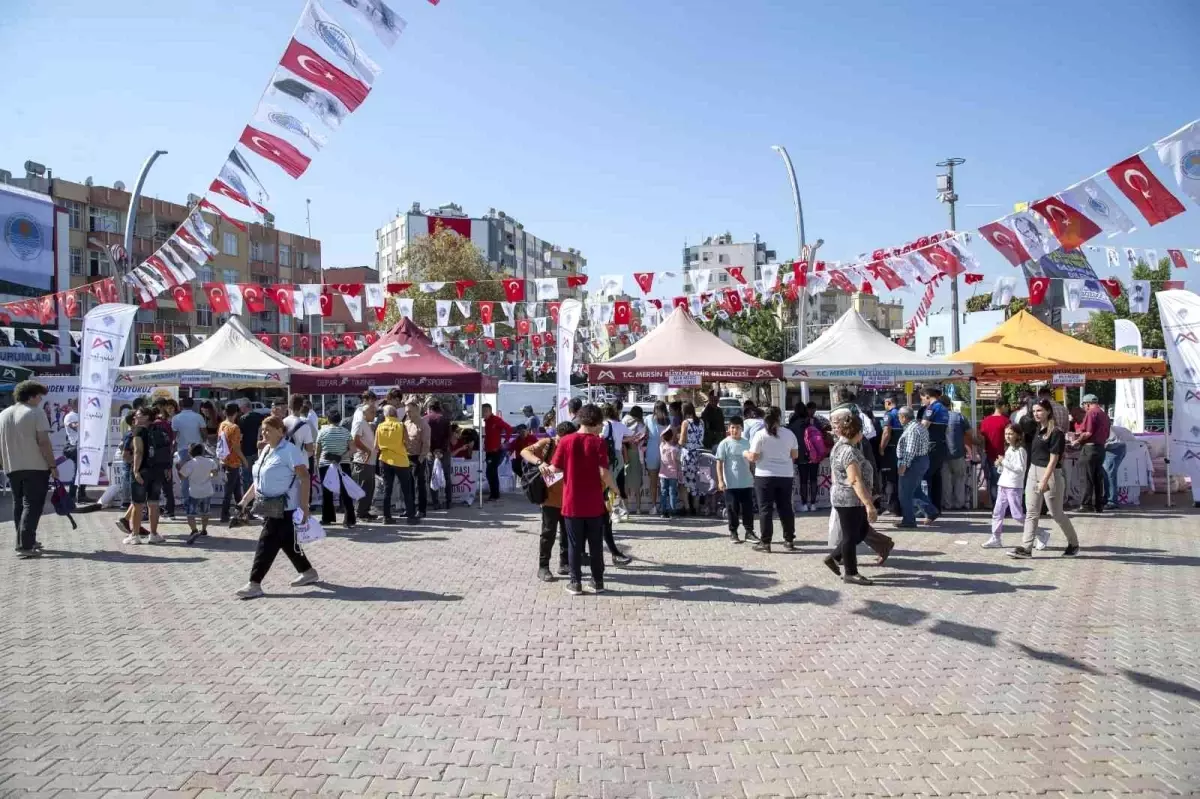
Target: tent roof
{"points": [[852, 349], [232, 358], [1024, 348], [679, 344], [403, 357]]}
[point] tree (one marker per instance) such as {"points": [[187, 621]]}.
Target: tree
{"points": [[983, 302], [756, 331], [445, 257]]}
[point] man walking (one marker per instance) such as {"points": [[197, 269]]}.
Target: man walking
{"points": [[71, 450], [229, 453], [959, 441], [418, 436], [888, 438], [935, 418], [362, 446], [1092, 437], [714, 420], [439, 448], [991, 430], [188, 427], [394, 464], [28, 460], [912, 464], [494, 430]]}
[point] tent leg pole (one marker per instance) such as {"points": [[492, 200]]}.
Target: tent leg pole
{"points": [[1167, 429], [479, 474]]}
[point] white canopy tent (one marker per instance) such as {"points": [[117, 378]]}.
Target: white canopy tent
{"points": [[853, 351], [230, 358]]}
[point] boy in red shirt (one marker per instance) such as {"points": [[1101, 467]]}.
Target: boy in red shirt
{"points": [[522, 439], [583, 459], [494, 431]]}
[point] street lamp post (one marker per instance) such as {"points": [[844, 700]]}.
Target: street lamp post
{"points": [[127, 294], [803, 252], [946, 194]]}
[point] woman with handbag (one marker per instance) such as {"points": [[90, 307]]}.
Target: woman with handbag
{"points": [[280, 487]]}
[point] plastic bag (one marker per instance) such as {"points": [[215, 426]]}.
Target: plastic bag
{"points": [[437, 479], [307, 532]]}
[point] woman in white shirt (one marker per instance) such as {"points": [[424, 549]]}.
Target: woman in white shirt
{"points": [[773, 451]]}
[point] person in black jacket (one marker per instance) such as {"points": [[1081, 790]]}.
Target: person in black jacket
{"points": [[806, 470]]}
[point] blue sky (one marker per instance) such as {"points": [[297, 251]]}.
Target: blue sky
{"points": [[627, 128]]}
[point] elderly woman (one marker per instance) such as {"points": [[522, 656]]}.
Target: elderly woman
{"points": [[850, 495], [281, 471]]}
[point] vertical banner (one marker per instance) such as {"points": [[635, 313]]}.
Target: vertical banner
{"points": [[105, 329], [1179, 311], [1129, 411], [568, 320]]}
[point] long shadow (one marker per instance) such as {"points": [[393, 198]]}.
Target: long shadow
{"points": [[965, 632], [1057, 658], [368, 593], [937, 582], [892, 614], [955, 566], [806, 595], [1142, 560], [107, 556], [1120, 550], [388, 535], [677, 577], [1161, 685], [216, 543]]}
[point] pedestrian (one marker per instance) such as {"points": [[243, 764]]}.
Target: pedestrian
{"points": [[675, 415], [151, 449], [439, 449], [959, 444], [635, 469], [362, 456], [70, 424], [850, 496], [912, 465], [810, 451], [668, 472], [299, 430], [994, 432], [394, 464], [691, 440], [250, 424], [333, 450], [1046, 483], [1115, 450], [714, 420], [540, 453], [188, 427], [582, 457], [617, 436], [888, 438], [532, 423], [212, 421], [229, 454], [735, 479], [27, 459], [197, 474], [935, 418], [164, 409], [1010, 468], [494, 431], [281, 486], [773, 452], [1092, 438], [418, 442], [752, 421]]}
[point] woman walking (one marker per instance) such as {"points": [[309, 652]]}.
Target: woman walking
{"points": [[333, 445], [691, 438], [634, 468], [850, 495], [281, 484], [655, 425], [1046, 483], [773, 453], [810, 449]]}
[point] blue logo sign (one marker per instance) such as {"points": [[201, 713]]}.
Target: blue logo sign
{"points": [[338, 40], [1097, 206], [84, 460], [24, 237], [1189, 165], [288, 122]]}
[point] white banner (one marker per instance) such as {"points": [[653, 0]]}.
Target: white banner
{"points": [[26, 241], [1129, 410], [1179, 311], [105, 329], [569, 314]]}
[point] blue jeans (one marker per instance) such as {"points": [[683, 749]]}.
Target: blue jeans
{"points": [[912, 494], [184, 457], [669, 494], [1113, 455], [993, 479]]}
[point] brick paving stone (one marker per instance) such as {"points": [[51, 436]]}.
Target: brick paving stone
{"points": [[433, 663]]}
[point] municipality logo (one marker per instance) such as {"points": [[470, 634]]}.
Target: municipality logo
{"points": [[1191, 396], [24, 237], [1189, 165], [93, 402], [102, 343], [84, 460], [338, 40], [1188, 336], [1101, 208]]}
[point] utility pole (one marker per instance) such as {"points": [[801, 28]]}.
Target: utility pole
{"points": [[945, 185], [127, 293]]}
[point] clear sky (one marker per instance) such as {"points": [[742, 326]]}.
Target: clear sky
{"points": [[626, 128]]}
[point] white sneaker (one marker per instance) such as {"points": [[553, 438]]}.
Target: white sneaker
{"points": [[155, 538], [1043, 538], [250, 591], [131, 539], [307, 578], [992, 543]]}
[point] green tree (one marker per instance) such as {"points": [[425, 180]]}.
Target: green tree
{"points": [[756, 331], [442, 257], [983, 302]]}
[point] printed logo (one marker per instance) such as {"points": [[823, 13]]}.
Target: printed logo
{"points": [[1188, 336], [124, 378], [338, 40], [1191, 395], [93, 402], [102, 343], [84, 460], [1189, 165], [606, 373], [24, 237], [957, 373], [763, 373], [1191, 455], [1101, 208]]}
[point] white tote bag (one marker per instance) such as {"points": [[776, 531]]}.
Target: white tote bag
{"points": [[353, 489], [307, 532], [437, 478]]}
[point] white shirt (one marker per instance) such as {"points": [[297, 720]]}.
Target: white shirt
{"points": [[303, 436], [774, 453], [751, 427], [1012, 468], [71, 424], [362, 429], [199, 473], [313, 422], [1121, 434], [619, 433]]}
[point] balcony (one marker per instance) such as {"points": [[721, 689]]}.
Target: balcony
{"points": [[263, 269]]}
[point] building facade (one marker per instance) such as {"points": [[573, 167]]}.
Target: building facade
{"points": [[719, 252], [933, 337], [340, 320]]}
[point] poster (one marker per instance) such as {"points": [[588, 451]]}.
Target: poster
{"points": [[569, 314], [1129, 411], [26, 242], [1179, 311], [102, 345], [1070, 265]]}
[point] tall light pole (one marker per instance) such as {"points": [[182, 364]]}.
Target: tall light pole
{"points": [[945, 185], [803, 253], [127, 293]]}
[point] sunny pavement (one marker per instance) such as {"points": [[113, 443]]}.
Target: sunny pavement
{"points": [[430, 661]]}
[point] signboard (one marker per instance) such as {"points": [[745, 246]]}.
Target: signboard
{"points": [[877, 379], [1068, 379], [28, 356], [683, 379], [26, 242]]}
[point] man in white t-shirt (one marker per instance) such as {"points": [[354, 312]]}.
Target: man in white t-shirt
{"points": [[297, 428], [71, 425], [362, 444]]}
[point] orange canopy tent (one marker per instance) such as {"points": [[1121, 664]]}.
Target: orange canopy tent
{"points": [[1024, 349]]}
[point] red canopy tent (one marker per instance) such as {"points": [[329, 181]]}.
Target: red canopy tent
{"points": [[403, 357]]}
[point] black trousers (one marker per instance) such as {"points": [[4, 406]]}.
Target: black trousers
{"points": [[29, 487], [493, 461], [552, 524], [937, 456], [853, 521], [1091, 461], [807, 474], [739, 504], [891, 478], [420, 480], [585, 531], [233, 489], [775, 495], [328, 509], [276, 535], [403, 476]]}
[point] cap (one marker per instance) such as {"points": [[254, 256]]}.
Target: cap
{"points": [[1091, 398]]}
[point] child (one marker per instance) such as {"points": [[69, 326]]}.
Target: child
{"points": [[668, 473], [1011, 467], [735, 479], [198, 472]]}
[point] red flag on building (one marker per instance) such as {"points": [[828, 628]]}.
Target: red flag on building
{"points": [[1144, 190], [217, 299], [305, 62]]}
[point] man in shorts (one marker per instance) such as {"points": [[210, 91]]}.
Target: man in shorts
{"points": [[147, 478]]}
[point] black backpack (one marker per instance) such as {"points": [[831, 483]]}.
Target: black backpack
{"points": [[532, 482], [158, 447], [611, 444]]}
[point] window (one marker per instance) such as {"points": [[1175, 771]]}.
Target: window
{"points": [[262, 280], [205, 273], [937, 345], [145, 316], [229, 244], [76, 261], [705, 256], [75, 210], [256, 251], [301, 259], [204, 316], [229, 275], [722, 259], [103, 220], [98, 264], [285, 255]]}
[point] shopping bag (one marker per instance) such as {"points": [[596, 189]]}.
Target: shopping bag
{"points": [[307, 532], [437, 480], [63, 501], [331, 482], [353, 489]]}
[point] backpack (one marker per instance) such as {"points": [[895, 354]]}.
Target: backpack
{"points": [[127, 448], [532, 482], [159, 453], [611, 444], [814, 443]]}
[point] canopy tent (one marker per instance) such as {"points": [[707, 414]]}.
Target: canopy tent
{"points": [[853, 351], [230, 358], [1024, 349], [11, 374], [403, 357], [680, 345]]}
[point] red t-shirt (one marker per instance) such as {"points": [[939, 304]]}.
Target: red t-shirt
{"points": [[992, 429], [493, 427], [521, 443], [580, 457]]}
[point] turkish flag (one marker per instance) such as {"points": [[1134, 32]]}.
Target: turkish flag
{"points": [[736, 273], [839, 281], [253, 297], [160, 267], [216, 297], [305, 62], [612, 329], [352, 289], [305, 341], [679, 302], [1171, 285], [348, 341], [328, 342], [70, 305], [461, 286], [943, 260], [881, 271], [396, 288], [326, 300], [867, 288], [284, 297], [1038, 286], [105, 290], [621, 312], [1177, 259], [750, 297], [549, 339], [183, 298], [285, 341], [1144, 190], [537, 341], [645, 281], [380, 312], [514, 289], [265, 339], [1112, 286], [273, 148], [370, 338], [160, 341], [1005, 242], [971, 278], [220, 187], [490, 343], [454, 224], [800, 273], [522, 327], [733, 302], [46, 309], [506, 343], [485, 312], [1069, 226], [574, 281], [217, 210], [552, 309]]}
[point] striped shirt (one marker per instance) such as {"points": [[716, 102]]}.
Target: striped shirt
{"points": [[333, 440], [914, 442]]}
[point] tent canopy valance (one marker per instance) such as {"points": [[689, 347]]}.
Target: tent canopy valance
{"points": [[403, 357], [230, 358], [1024, 349], [853, 351], [680, 345]]}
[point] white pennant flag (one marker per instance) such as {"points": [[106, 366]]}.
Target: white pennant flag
{"points": [[966, 258], [1034, 234], [701, 279], [770, 276], [432, 287], [405, 306], [374, 293], [610, 284], [354, 305], [76, 335], [439, 337], [539, 324], [382, 19], [151, 279], [1152, 259], [924, 270], [547, 288], [269, 115], [200, 225], [182, 339], [489, 330], [298, 303], [179, 261], [464, 308], [311, 294], [694, 304], [1072, 294], [200, 337], [1002, 292], [818, 282], [442, 312], [530, 309], [233, 293], [204, 242], [1139, 296], [1091, 200], [509, 309], [1180, 153], [1131, 257], [1113, 257], [195, 253], [607, 312], [1196, 256], [339, 40]]}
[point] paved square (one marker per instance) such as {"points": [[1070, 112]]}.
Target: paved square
{"points": [[430, 661]]}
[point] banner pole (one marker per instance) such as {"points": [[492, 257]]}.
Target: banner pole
{"points": [[1167, 428]]}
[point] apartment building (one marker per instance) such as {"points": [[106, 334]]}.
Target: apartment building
{"points": [[719, 252], [339, 320]]}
